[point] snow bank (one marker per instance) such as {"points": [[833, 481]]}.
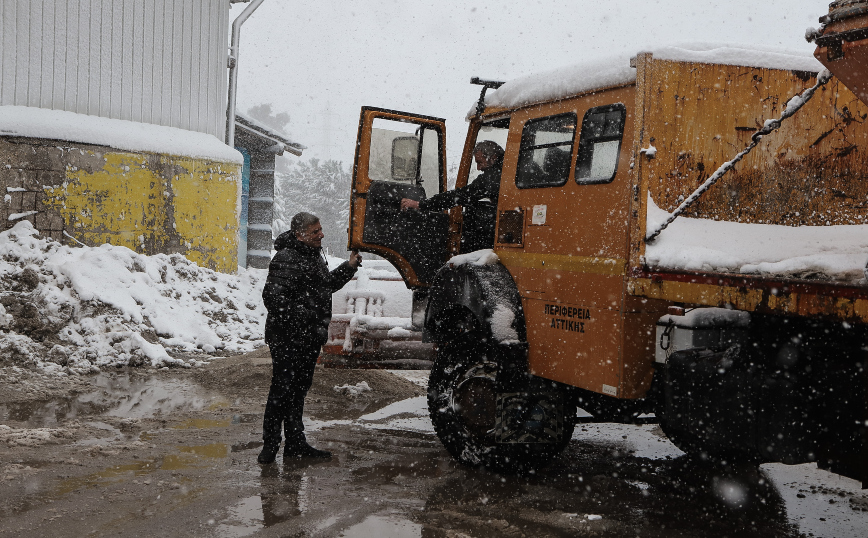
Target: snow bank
{"points": [[353, 391], [74, 310], [827, 253], [616, 71], [121, 134]]}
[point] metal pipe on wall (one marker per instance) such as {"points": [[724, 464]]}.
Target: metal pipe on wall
{"points": [[233, 69]]}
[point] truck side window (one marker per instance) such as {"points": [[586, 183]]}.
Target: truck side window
{"points": [[405, 152], [496, 131], [546, 151], [600, 144]]}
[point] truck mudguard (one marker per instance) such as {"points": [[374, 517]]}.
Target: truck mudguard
{"points": [[485, 293], [483, 299]]}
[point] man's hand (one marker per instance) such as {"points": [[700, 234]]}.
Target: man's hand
{"points": [[355, 259], [407, 203]]}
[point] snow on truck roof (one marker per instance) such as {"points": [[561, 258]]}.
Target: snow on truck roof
{"points": [[616, 71]]}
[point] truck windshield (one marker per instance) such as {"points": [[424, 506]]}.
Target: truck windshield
{"points": [[495, 131]]}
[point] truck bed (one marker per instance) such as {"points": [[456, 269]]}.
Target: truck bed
{"points": [[784, 232]]}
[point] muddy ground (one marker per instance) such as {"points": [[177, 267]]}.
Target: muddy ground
{"points": [[172, 453]]}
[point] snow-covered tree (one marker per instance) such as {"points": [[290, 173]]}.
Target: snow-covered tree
{"points": [[321, 188], [264, 114]]}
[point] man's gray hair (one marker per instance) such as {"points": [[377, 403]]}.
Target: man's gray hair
{"points": [[301, 221], [490, 149]]}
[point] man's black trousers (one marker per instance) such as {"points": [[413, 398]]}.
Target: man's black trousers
{"points": [[292, 375]]}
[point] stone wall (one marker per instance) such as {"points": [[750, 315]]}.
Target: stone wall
{"points": [[150, 203]]}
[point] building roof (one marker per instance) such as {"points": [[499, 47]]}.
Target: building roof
{"points": [[268, 134]]}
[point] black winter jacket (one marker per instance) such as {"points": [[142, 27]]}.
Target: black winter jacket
{"points": [[479, 200], [298, 293]]}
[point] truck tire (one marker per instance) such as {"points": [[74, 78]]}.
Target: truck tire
{"points": [[462, 402]]}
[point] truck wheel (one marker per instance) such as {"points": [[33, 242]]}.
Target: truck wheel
{"points": [[462, 401]]}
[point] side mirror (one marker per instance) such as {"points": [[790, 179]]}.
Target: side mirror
{"points": [[405, 158]]}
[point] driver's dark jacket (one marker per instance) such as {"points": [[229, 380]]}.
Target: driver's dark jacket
{"points": [[479, 200], [298, 293]]}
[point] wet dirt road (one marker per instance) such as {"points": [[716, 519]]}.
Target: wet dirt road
{"points": [[173, 454]]}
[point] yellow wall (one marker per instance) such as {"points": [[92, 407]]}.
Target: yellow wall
{"points": [[151, 204]]}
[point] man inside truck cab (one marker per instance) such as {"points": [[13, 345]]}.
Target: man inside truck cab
{"points": [[479, 199]]}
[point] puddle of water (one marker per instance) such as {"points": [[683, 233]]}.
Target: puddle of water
{"points": [[189, 456], [246, 446], [284, 496], [384, 526], [117, 435], [116, 473], [245, 518], [140, 397], [201, 424], [121, 395], [247, 418], [47, 414]]}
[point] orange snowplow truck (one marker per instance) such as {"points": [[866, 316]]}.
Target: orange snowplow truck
{"points": [[741, 325]]}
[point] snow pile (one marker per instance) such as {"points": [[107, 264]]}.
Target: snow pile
{"points": [[616, 71], [353, 391], [74, 310], [121, 134], [826, 253]]}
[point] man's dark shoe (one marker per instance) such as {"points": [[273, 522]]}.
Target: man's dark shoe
{"points": [[269, 452], [304, 450]]}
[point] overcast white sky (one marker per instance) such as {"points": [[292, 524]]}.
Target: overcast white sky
{"points": [[321, 62]]}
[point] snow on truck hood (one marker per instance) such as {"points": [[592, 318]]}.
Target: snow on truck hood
{"points": [[616, 71], [825, 253]]}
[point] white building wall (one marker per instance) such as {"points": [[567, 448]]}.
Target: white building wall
{"points": [[151, 61]]}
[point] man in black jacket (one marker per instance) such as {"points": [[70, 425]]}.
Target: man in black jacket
{"points": [[479, 199], [298, 296]]}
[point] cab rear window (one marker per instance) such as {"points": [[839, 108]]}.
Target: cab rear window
{"points": [[600, 144], [546, 151]]}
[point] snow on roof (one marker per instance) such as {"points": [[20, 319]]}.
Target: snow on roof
{"points": [[120, 134], [260, 128], [836, 253], [616, 71]]}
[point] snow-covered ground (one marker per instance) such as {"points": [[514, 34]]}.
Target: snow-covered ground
{"points": [[73, 310]]}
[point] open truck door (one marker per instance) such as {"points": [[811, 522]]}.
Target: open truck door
{"points": [[400, 155]]}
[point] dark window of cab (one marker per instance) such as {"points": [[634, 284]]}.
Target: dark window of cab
{"points": [[546, 151]]}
